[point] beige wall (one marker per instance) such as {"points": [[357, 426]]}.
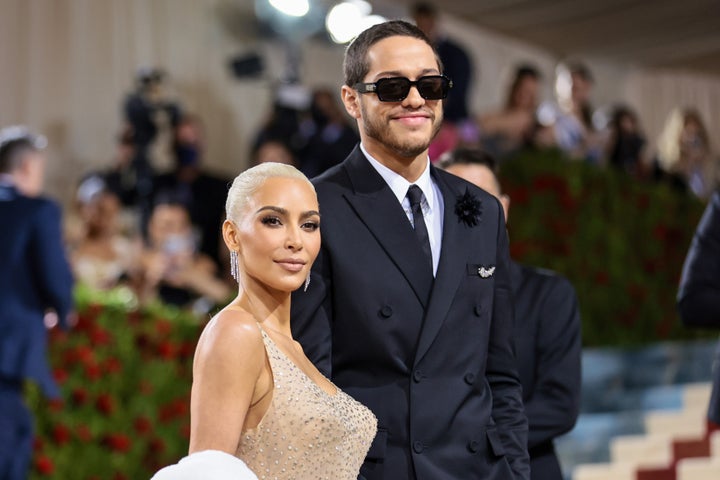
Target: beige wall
{"points": [[66, 65]]}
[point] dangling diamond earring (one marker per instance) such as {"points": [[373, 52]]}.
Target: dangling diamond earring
{"points": [[234, 269], [307, 282]]}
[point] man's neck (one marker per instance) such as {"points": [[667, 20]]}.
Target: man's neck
{"points": [[410, 168]]}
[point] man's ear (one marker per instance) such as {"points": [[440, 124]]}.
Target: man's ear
{"points": [[351, 101]]}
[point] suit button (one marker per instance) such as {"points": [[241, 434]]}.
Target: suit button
{"points": [[418, 447], [417, 376], [477, 310], [474, 446], [386, 311], [469, 378]]}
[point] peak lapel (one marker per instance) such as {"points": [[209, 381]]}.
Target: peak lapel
{"points": [[379, 210], [457, 242]]}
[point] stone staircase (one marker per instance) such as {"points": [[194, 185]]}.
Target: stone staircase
{"points": [[643, 415]]}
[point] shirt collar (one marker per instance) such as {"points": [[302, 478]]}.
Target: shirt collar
{"points": [[398, 184]]}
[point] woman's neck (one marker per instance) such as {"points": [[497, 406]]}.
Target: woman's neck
{"points": [[270, 308]]}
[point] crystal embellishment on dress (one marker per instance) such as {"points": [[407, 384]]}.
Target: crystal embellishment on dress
{"points": [[306, 433]]}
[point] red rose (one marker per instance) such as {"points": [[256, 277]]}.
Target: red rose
{"points": [[105, 404], [143, 425], [112, 365], [117, 442], [60, 375], [93, 371], [186, 350], [61, 434], [166, 350], [157, 445], [99, 336], [44, 465]]}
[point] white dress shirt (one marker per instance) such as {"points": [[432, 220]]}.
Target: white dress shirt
{"points": [[432, 201]]}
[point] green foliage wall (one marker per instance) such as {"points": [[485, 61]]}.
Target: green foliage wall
{"points": [[621, 242]]}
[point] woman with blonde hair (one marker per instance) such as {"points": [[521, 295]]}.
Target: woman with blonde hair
{"points": [[257, 401]]}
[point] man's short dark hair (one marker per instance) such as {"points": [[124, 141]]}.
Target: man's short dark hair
{"points": [[471, 156], [15, 143], [468, 156], [356, 65]]}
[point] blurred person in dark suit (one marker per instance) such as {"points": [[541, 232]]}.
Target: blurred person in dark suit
{"points": [[547, 333], [35, 277], [699, 294], [456, 62]]}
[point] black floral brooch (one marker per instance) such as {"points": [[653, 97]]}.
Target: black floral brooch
{"points": [[468, 209]]}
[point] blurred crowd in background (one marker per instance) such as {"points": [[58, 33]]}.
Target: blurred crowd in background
{"points": [[158, 231]]}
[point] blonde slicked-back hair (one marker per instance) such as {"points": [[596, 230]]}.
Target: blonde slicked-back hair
{"points": [[245, 185]]}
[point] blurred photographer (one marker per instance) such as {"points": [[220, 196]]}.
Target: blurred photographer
{"points": [[147, 109]]}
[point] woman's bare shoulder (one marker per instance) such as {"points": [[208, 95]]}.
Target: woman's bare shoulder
{"points": [[231, 334]]}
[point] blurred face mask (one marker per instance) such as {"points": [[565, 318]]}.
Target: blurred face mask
{"points": [[187, 155]]}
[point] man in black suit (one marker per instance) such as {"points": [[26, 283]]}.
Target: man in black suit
{"points": [[409, 308], [34, 277], [547, 333], [699, 294]]}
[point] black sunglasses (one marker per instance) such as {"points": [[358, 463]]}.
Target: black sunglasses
{"points": [[396, 89]]}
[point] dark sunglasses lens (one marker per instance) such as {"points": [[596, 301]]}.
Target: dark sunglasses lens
{"points": [[392, 89], [432, 88]]}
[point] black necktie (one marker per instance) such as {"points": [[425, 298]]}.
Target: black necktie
{"points": [[414, 194]]}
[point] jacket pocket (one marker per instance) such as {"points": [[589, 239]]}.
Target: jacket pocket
{"points": [[495, 442]]}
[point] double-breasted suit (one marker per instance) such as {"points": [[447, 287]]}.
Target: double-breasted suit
{"points": [[431, 356]]}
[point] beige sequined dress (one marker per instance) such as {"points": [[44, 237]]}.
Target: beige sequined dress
{"points": [[306, 432]]}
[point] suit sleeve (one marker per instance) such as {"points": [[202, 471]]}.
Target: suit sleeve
{"points": [[699, 292], [502, 374], [311, 315], [49, 265], [553, 407]]}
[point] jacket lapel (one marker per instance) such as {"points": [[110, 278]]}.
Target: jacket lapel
{"points": [[457, 242], [379, 210]]}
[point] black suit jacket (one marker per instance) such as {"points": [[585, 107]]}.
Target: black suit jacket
{"points": [[433, 360], [34, 276], [699, 293], [549, 350]]}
